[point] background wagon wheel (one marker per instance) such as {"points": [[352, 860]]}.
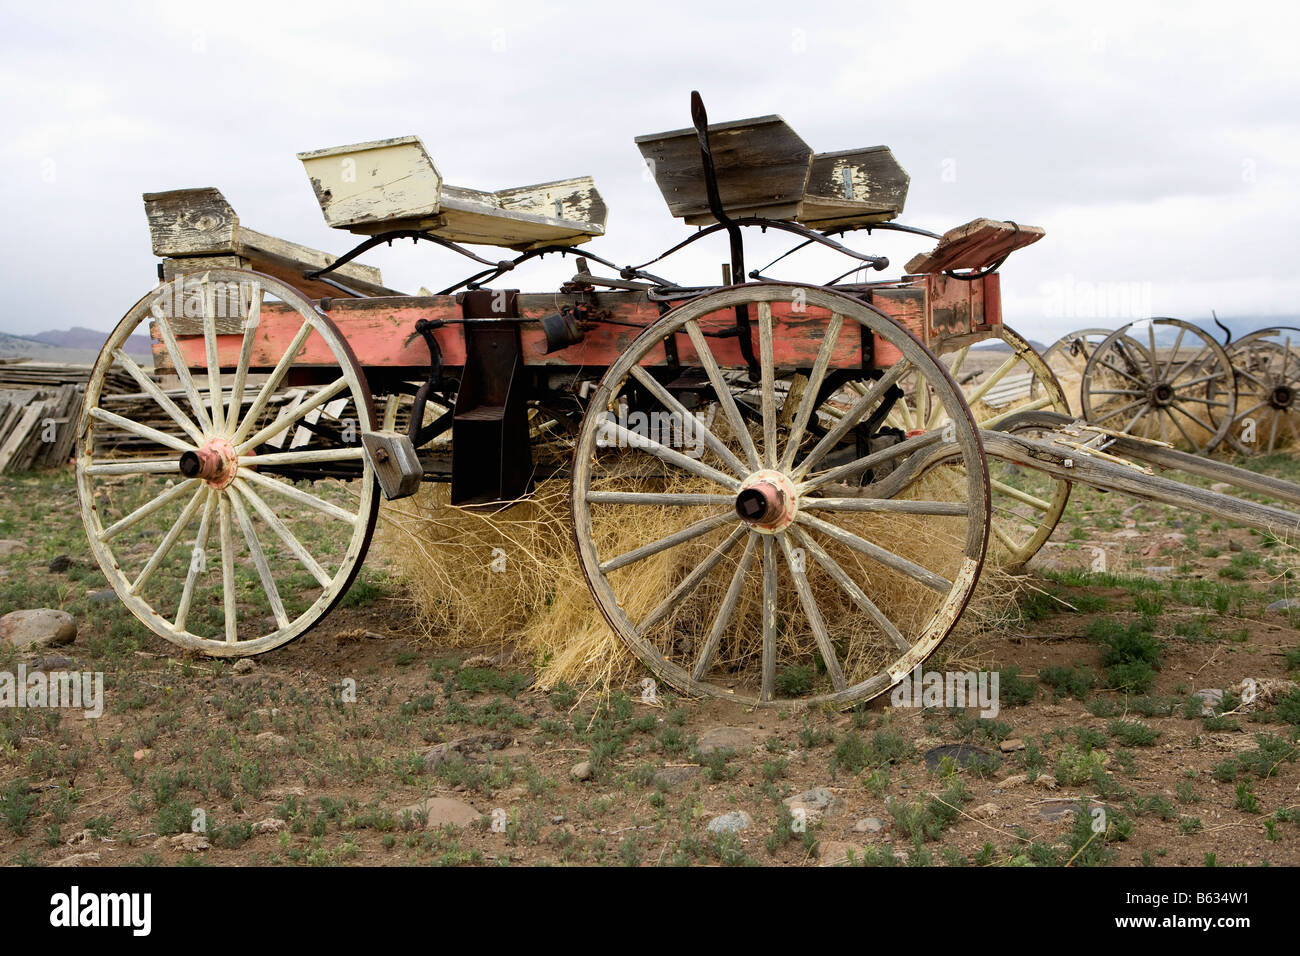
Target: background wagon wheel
{"points": [[1068, 356], [997, 383], [192, 495], [1169, 381], [745, 554], [1267, 363]]}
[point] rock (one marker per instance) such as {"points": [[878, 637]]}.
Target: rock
{"points": [[52, 662], [269, 825], [1011, 745], [1015, 780], [1057, 810], [41, 627], [190, 842], [986, 811], [1159, 569], [1286, 604], [738, 739], [102, 596], [1211, 701], [142, 754], [732, 822], [60, 564], [557, 820], [8, 547], [441, 811], [837, 853], [816, 803], [669, 777], [270, 739], [869, 825], [77, 859], [244, 665], [961, 754], [465, 747], [1236, 546], [1045, 781], [581, 771]]}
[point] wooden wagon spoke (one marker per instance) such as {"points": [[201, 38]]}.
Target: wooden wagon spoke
{"points": [[886, 505], [1203, 401], [767, 379], [142, 431], [181, 369], [689, 533], [1146, 407], [670, 401], [259, 561], [720, 621], [998, 374], [646, 444], [272, 382], [169, 540], [896, 562], [995, 420], [160, 397], [300, 496], [811, 391], [689, 583], [1131, 378], [251, 322], [1011, 491], [1118, 391], [1118, 411], [136, 466], [228, 595], [214, 359], [857, 467], [1208, 427], [658, 498], [814, 616], [1179, 425], [1182, 330], [869, 399], [282, 531], [304, 456], [767, 683], [723, 391], [148, 508], [317, 399], [197, 560], [850, 587], [1272, 432]]}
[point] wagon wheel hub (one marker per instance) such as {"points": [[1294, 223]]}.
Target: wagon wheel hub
{"points": [[1162, 394], [1283, 397], [767, 501], [215, 462]]}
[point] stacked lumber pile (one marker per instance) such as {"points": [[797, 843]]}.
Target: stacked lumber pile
{"points": [[38, 426]]}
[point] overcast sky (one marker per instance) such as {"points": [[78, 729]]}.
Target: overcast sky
{"points": [[1160, 148]]}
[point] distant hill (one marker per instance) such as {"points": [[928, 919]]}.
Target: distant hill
{"points": [[79, 337]]}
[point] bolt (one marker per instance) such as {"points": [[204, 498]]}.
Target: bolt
{"points": [[381, 455]]}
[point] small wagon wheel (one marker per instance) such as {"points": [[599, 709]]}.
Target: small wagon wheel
{"points": [[191, 496], [744, 554], [1180, 389], [1267, 363], [1068, 356], [1026, 504]]}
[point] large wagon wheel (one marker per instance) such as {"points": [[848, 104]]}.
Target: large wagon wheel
{"points": [[191, 496], [1267, 363], [1068, 356], [746, 554], [1180, 390], [1026, 504]]}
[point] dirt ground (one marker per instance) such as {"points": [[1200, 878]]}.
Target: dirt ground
{"points": [[1100, 754]]}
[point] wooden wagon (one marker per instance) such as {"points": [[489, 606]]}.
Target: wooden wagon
{"points": [[779, 490]]}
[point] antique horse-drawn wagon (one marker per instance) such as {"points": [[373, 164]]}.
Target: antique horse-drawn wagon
{"points": [[778, 489]]}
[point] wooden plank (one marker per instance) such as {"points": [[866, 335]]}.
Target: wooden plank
{"points": [[974, 245], [762, 167], [365, 185], [854, 186], [17, 439]]}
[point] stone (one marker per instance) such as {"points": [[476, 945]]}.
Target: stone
{"points": [[1015, 780], [669, 777], [581, 771], [52, 662], [60, 564], [1286, 604], [986, 811], [464, 747], [8, 547], [40, 627], [271, 739], [438, 812], [269, 825], [870, 825], [244, 665], [1159, 569], [77, 859], [102, 596], [1236, 546], [142, 754], [732, 822], [190, 842], [1011, 745], [1211, 700], [1057, 810], [816, 803], [738, 739], [837, 853]]}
